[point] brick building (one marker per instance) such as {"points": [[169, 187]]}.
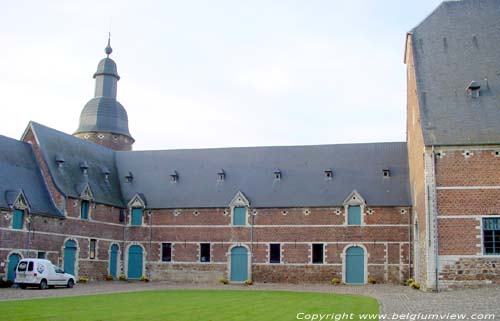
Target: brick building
{"points": [[426, 208]]}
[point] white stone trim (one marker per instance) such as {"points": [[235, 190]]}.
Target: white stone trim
{"points": [[354, 199]]}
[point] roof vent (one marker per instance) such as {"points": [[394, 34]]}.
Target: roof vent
{"points": [[277, 174], [221, 174], [84, 167], [329, 173], [59, 160], [105, 171], [473, 89], [386, 172], [174, 177], [129, 177]]}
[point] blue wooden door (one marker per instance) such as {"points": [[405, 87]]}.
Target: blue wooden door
{"points": [[13, 260], [69, 256], [113, 260], [355, 265], [239, 264], [134, 262]]}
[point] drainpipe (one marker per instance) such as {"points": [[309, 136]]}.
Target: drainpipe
{"points": [[410, 256], [28, 247], [251, 244], [150, 239], [436, 247]]}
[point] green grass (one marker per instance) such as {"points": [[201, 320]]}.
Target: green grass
{"points": [[187, 305]]}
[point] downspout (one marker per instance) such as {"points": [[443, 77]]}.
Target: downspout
{"points": [[410, 256], [150, 239], [251, 245], [436, 248], [28, 247]]}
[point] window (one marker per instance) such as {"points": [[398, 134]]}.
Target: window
{"points": [[93, 243], [491, 235], [18, 219], [30, 266], [204, 252], [239, 216], [84, 210], [41, 255], [274, 253], [317, 254], [354, 215], [136, 216], [166, 252]]}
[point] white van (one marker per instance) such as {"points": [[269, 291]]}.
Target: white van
{"points": [[41, 273]]}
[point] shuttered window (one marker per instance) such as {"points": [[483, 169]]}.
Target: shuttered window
{"points": [[239, 216], [354, 215], [136, 217], [18, 219], [84, 210]]}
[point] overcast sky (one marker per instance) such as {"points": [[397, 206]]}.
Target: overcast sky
{"points": [[198, 74]]}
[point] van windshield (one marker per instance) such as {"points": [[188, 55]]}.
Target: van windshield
{"points": [[22, 266]]}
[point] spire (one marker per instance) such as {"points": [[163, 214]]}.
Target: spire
{"points": [[108, 50]]}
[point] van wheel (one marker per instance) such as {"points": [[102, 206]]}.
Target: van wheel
{"points": [[43, 285], [71, 283], [22, 286]]}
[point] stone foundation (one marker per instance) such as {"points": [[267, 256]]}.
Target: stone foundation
{"points": [[469, 272]]}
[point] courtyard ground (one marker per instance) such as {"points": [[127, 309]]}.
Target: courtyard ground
{"points": [[392, 298]]}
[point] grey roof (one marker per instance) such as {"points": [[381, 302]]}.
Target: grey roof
{"points": [[104, 114], [456, 44], [69, 178], [251, 171], [19, 172]]}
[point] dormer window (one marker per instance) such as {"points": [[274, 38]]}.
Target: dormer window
{"points": [[129, 177], [105, 173], [84, 167], [473, 89], [329, 173], [59, 160], [277, 174], [221, 175], [174, 177], [386, 172]]}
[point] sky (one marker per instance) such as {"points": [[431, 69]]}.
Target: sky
{"points": [[204, 74]]}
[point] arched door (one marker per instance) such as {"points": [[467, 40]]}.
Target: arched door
{"points": [[134, 270], [13, 261], [113, 261], [69, 256], [239, 264], [355, 265]]}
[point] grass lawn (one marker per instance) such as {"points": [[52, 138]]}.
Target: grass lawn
{"points": [[187, 305]]}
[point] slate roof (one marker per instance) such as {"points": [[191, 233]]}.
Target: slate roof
{"points": [[456, 44], [19, 171], [251, 171], [69, 178]]}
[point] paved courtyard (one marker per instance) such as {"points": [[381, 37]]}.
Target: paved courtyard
{"points": [[392, 298]]}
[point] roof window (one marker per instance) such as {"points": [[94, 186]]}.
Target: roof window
{"points": [[277, 174], [59, 160], [84, 167], [174, 177], [129, 177], [473, 89], [221, 174], [329, 173], [386, 172]]}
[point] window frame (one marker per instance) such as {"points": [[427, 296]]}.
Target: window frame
{"points": [[495, 234], [92, 249], [163, 252], [322, 245], [271, 260], [201, 256]]}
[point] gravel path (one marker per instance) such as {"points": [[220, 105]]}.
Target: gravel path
{"points": [[392, 298]]}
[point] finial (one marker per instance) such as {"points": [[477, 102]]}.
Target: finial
{"points": [[108, 49]]}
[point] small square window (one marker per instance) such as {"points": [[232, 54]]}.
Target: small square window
{"points": [[166, 252], [204, 252], [41, 255], [275, 253]]}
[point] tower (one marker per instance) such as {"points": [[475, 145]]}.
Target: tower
{"points": [[104, 120]]}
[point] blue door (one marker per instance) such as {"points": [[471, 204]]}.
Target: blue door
{"points": [[355, 265], [13, 260], [239, 264], [69, 256], [134, 262], [113, 261]]}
